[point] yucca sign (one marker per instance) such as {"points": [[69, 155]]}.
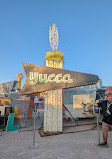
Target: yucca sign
{"points": [[43, 78], [59, 78]]}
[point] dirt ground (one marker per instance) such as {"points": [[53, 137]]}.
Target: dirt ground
{"points": [[82, 145]]}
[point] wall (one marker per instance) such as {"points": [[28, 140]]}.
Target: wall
{"points": [[20, 108]]}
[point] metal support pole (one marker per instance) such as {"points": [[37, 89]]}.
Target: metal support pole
{"points": [[98, 130], [34, 131], [34, 144]]}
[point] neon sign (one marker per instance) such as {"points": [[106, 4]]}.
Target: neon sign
{"points": [[43, 78], [58, 78]]}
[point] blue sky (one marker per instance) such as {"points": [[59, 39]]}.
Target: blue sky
{"points": [[85, 35]]}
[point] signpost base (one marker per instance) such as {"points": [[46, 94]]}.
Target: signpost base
{"points": [[33, 145]]}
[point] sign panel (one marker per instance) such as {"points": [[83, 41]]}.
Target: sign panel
{"points": [[80, 103], [43, 78], [10, 126], [36, 99]]}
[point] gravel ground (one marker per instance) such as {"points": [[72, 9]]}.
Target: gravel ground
{"points": [[14, 145]]}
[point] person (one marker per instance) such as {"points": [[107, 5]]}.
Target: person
{"points": [[106, 108]]}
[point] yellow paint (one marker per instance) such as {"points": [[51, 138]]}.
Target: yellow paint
{"points": [[5, 100], [16, 113], [19, 76]]}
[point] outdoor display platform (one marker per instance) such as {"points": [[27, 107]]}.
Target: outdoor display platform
{"points": [[68, 127]]}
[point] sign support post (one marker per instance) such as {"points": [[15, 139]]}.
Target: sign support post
{"points": [[96, 111], [98, 130], [36, 101]]}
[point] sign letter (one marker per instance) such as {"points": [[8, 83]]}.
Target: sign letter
{"points": [[33, 78]]}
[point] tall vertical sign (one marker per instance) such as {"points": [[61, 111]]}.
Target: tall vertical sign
{"points": [[53, 99], [52, 79]]}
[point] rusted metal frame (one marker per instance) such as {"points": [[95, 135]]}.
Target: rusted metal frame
{"points": [[79, 125], [58, 133]]}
